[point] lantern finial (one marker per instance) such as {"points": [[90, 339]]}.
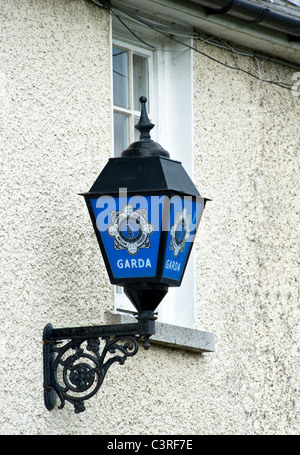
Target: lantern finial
{"points": [[144, 126], [145, 146]]}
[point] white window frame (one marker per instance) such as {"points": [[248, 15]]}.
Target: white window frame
{"points": [[171, 92]]}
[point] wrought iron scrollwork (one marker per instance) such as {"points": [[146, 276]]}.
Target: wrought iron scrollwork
{"points": [[80, 366], [76, 360]]}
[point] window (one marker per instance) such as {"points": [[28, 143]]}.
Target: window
{"points": [[131, 77], [165, 76]]}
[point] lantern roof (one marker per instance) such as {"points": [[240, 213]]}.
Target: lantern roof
{"points": [[141, 174]]}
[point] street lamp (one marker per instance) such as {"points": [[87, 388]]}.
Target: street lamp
{"points": [[145, 211]]}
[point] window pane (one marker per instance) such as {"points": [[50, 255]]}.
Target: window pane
{"points": [[119, 290], [120, 77], [121, 133], [140, 80], [136, 133]]}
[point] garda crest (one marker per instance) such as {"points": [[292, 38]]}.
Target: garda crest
{"points": [[130, 229], [180, 232]]}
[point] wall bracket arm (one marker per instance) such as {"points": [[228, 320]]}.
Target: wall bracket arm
{"points": [[77, 359]]}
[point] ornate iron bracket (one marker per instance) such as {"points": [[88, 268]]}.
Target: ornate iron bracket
{"points": [[77, 359]]}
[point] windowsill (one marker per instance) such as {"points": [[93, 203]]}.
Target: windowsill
{"points": [[172, 335]]}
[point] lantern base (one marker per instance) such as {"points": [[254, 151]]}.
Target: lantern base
{"points": [[145, 296]]}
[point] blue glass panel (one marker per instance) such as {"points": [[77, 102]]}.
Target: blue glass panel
{"points": [[130, 229], [184, 218]]}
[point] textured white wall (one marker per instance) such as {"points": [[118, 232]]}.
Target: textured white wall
{"points": [[247, 162], [55, 126]]}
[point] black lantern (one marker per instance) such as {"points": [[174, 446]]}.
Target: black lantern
{"points": [[145, 211]]}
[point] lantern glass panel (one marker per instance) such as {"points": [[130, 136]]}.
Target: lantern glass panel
{"points": [[130, 229], [185, 214]]}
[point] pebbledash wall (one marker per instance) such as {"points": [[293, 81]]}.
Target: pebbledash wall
{"points": [[55, 77]]}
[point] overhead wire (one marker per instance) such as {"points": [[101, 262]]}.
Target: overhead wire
{"points": [[133, 33], [170, 34]]}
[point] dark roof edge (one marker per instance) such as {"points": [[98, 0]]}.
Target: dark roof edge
{"points": [[255, 13]]}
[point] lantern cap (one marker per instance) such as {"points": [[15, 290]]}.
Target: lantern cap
{"points": [[145, 146], [133, 174]]}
